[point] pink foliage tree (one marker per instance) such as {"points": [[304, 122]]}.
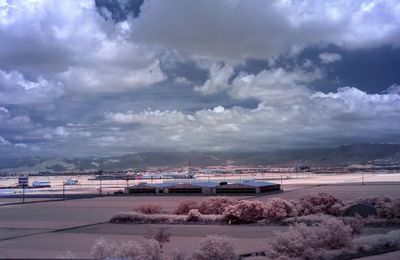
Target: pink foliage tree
{"points": [[216, 205], [319, 203], [245, 211], [185, 206], [278, 209]]}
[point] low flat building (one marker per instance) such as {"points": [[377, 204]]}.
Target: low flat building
{"points": [[207, 188], [248, 187]]}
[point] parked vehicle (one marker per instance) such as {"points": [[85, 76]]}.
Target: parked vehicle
{"points": [[41, 184], [71, 182]]}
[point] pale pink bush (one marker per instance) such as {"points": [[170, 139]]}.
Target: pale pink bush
{"points": [[245, 211], [309, 220], [178, 254], [147, 250], [194, 215], [139, 218], [311, 241], [319, 203], [185, 206], [278, 209], [215, 205], [216, 248], [149, 209], [356, 224], [377, 242]]}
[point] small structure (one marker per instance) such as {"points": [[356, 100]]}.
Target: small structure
{"points": [[41, 184], [23, 181], [362, 209]]}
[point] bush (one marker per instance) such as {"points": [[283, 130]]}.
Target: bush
{"points": [[139, 218], [278, 209], [216, 205], [193, 215], [386, 207], [355, 223], [178, 254], [185, 206], [320, 203], [311, 241], [146, 250], [149, 209], [216, 248], [244, 212], [377, 242]]}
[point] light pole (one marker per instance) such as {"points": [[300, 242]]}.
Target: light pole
{"points": [[101, 178], [63, 191]]}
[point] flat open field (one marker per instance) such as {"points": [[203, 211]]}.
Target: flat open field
{"points": [[50, 229]]}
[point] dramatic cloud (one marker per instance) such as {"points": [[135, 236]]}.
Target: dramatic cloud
{"points": [[346, 115], [70, 43], [85, 77], [263, 29]]}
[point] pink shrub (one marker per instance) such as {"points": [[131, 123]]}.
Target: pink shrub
{"points": [[216, 248], [193, 215], [319, 203], [140, 218], [278, 209], [185, 206], [245, 211], [146, 250], [311, 241], [216, 205], [149, 209]]}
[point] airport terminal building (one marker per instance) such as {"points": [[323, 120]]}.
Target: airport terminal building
{"points": [[206, 188]]}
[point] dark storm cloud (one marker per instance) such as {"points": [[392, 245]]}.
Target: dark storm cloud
{"points": [[119, 10]]}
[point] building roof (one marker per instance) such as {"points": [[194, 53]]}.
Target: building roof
{"points": [[258, 183], [206, 184], [161, 185]]}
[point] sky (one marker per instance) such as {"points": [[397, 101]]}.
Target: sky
{"points": [[102, 78]]}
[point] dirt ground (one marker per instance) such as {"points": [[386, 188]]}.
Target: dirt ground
{"points": [[50, 229]]}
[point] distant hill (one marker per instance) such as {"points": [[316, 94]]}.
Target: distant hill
{"points": [[373, 154]]}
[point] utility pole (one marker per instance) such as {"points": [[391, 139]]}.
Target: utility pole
{"points": [[101, 186], [63, 191], [23, 194]]}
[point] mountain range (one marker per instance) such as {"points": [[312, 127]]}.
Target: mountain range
{"points": [[345, 155]]}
